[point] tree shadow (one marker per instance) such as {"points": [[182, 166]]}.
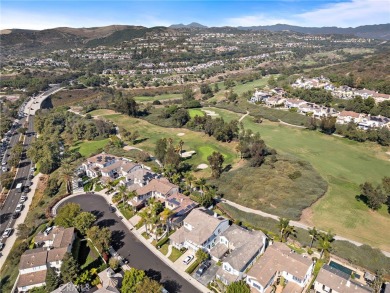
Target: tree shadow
{"points": [[362, 198], [172, 286], [137, 141], [154, 275], [227, 168], [106, 223], [97, 214], [5, 217], [117, 239]]}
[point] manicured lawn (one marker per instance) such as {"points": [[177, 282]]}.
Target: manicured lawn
{"points": [[159, 97], [145, 235], [127, 212], [164, 249], [195, 112], [175, 254], [196, 141], [87, 148], [344, 164]]}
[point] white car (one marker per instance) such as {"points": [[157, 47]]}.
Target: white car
{"points": [[188, 259], [7, 232], [19, 208], [23, 198]]}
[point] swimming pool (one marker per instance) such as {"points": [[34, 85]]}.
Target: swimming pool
{"points": [[344, 269]]}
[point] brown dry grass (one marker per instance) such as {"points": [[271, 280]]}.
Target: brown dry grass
{"points": [[39, 192]]}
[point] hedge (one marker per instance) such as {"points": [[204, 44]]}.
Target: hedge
{"points": [[192, 267], [162, 242]]}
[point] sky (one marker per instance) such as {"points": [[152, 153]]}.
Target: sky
{"points": [[39, 15]]}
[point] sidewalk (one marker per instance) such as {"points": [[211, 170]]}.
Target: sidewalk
{"points": [[144, 241], [11, 240]]}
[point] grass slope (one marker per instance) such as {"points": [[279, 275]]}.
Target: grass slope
{"points": [[344, 164], [87, 148], [158, 97], [270, 189]]}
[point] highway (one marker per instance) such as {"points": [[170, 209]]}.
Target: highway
{"points": [[24, 169]]}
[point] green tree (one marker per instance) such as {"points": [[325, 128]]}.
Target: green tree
{"points": [[66, 215], [66, 173], [131, 279], [52, 280], [238, 287], [375, 196], [69, 268], [325, 242], [114, 263], [216, 161], [216, 88], [148, 285], [202, 255], [285, 229], [84, 221], [161, 149], [100, 237], [6, 179], [23, 231], [313, 235]]}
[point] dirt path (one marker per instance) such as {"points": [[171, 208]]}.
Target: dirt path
{"points": [[243, 116]]}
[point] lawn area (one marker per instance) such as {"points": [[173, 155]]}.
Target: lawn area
{"points": [[164, 249], [195, 112], [127, 211], [344, 164], [159, 97], [86, 254], [175, 254], [87, 148], [199, 142]]}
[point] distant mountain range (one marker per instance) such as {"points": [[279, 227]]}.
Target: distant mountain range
{"points": [[20, 41], [376, 31]]}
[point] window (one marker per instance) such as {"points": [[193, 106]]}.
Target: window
{"points": [[257, 286]]}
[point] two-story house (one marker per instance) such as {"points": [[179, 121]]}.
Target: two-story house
{"points": [[157, 188], [181, 206], [279, 261], [346, 117], [94, 164], [55, 243], [199, 231], [259, 96], [237, 248], [139, 178], [332, 280], [119, 168], [294, 103]]}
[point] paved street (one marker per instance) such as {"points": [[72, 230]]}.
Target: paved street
{"points": [[128, 245]]}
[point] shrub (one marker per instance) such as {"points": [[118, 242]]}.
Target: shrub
{"points": [[162, 242], [192, 267], [295, 175]]}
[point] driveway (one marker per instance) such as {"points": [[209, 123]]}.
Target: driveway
{"points": [[208, 275], [179, 262], [129, 247]]}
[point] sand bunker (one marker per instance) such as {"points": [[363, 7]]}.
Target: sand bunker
{"points": [[202, 166], [181, 134], [210, 113], [187, 154]]}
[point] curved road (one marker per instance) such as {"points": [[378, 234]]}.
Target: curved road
{"points": [[128, 246]]}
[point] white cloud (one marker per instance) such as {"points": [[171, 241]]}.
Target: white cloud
{"points": [[343, 14], [253, 20], [348, 14]]}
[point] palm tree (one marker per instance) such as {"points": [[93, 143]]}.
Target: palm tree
{"points": [[285, 228], [189, 178], [165, 215], [123, 194], [201, 183], [313, 235], [325, 242], [145, 215], [66, 174]]}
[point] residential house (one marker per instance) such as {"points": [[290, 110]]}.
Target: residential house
{"points": [[199, 231], [275, 101], [237, 248], [66, 288], [110, 281], [280, 261], [119, 168], [56, 237], [345, 117], [343, 92], [139, 178], [94, 164], [33, 265], [157, 188], [181, 206], [365, 93], [260, 96], [332, 280], [294, 103]]}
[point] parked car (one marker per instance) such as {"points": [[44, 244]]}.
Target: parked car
{"points": [[188, 259], [7, 232], [111, 208], [23, 198], [15, 215], [19, 208], [203, 267], [112, 251]]}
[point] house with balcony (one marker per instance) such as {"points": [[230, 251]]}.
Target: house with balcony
{"points": [[346, 117], [280, 261], [138, 178], [332, 280], [260, 96], [294, 103], [200, 230], [94, 164], [237, 248]]}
